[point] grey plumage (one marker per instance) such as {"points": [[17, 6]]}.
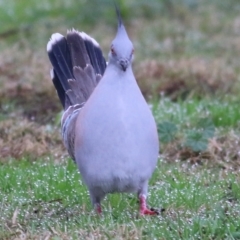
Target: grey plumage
{"points": [[107, 125]]}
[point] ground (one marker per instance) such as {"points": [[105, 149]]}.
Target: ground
{"points": [[187, 64]]}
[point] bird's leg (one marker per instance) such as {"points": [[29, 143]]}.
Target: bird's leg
{"points": [[144, 210], [98, 208], [96, 197]]}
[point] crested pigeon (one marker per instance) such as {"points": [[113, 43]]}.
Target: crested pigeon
{"points": [[107, 126]]}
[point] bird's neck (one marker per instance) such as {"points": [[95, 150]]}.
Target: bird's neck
{"points": [[118, 73]]}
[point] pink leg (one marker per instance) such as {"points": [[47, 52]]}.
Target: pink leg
{"points": [[143, 207], [96, 196], [98, 208]]}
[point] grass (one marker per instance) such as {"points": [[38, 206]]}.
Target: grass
{"points": [[187, 64], [224, 112], [45, 198]]}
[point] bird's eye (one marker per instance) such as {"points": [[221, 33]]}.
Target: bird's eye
{"points": [[112, 51]]}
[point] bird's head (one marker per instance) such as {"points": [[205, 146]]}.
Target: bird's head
{"points": [[121, 51]]}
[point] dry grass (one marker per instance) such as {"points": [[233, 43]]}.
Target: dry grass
{"points": [[179, 78], [21, 137], [223, 151], [28, 102], [16, 232]]}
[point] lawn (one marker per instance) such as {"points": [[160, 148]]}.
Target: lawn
{"points": [[43, 199], [187, 64]]}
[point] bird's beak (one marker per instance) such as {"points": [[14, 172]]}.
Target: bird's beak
{"points": [[124, 64]]}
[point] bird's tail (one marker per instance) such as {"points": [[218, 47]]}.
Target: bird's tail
{"points": [[78, 65]]}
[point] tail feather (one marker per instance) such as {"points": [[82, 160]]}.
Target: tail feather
{"points": [[78, 65], [79, 54], [85, 82], [57, 84], [93, 57], [100, 61], [59, 56]]}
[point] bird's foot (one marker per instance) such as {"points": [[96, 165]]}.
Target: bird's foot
{"points": [[144, 210], [148, 211]]}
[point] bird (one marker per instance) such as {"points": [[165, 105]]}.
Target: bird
{"points": [[107, 126]]}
